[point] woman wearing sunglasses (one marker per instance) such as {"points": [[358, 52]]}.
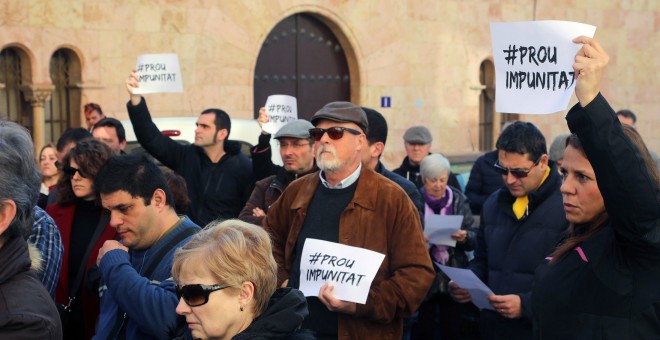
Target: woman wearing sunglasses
{"points": [[602, 281], [83, 225], [226, 280]]}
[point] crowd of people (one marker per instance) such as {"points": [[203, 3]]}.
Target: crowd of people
{"points": [[97, 243]]}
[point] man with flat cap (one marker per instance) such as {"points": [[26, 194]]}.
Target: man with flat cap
{"points": [[297, 152], [350, 204], [417, 141]]}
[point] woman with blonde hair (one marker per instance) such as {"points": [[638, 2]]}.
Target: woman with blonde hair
{"points": [[226, 280], [49, 173], [602, 281]]}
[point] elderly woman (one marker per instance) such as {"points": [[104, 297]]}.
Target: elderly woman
{"points": [[226, 279], [84, 227], [49, 173], [602, 282], [442, 199]]}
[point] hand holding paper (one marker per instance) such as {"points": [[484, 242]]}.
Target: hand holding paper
{"points": [[441, 229]]}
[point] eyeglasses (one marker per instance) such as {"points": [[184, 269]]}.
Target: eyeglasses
{"points": [[196, 294], [292, 145], [335, 132], [71, 171], [517, 173]]}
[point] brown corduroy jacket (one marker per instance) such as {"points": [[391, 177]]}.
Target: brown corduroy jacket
{"points": [[380, 217]]}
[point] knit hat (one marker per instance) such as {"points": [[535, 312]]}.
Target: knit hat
{"points": [[343, 112], [295, 129], [418, 135]]}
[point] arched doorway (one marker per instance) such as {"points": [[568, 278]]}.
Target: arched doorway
{"points": [[302, 57], [63, 112], [14, 75]]}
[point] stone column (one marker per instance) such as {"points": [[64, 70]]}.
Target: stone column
{"points": [[38, 95]]}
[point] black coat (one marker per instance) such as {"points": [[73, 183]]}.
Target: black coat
{"points": [[484, 180], [216, 190], [616, 294], [509, 250], [411, 173], [26, 309]]}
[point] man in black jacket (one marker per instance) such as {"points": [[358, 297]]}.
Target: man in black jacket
{"points": [[218, 176], [521, 224]]}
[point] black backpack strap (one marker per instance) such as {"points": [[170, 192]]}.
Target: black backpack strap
{"points": [[119, 328], [75, 285]]}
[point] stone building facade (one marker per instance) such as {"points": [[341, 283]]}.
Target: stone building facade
{"points": [[431, 58]]}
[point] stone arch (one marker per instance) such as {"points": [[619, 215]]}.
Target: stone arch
{"points": [[63, 110], [328, 34], [16, 72]]}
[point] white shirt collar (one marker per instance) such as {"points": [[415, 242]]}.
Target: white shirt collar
{"points": [[346, 182]]}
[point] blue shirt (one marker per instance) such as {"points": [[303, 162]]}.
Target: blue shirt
{"points": [[46, 237]]}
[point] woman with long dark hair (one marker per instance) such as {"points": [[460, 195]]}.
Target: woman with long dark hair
{"points": [[602, 281]]}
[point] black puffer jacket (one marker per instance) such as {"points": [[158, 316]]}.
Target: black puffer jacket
{"points": [[509, 250], [282, 318]]}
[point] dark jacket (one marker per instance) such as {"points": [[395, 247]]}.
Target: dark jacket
{"points": [[407, 186], [484, 180], [509, 250], [379, 217], [282, 318], [26, 309], [411, 173], [266, 192], [216, 190], [614, 293], [262, 163]]}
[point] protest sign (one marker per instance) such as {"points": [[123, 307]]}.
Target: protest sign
{"points": [[466, 279], [158, 73], [534, 64], [350, 269], [281, 109], [439, 228]]}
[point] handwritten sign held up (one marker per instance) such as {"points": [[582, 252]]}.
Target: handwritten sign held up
{"points": [[158, 73], [439, 228], [281, 109], [534, 64], [350, 269]]}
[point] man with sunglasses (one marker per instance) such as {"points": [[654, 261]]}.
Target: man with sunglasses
{"points": [[521, 224], [297, 152], [138, 296], [350, 204]]}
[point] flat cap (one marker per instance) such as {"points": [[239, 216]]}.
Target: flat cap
{"points": [[296, 129], [418, 135], [343, 112]]}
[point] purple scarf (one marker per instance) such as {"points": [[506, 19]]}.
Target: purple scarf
{"points": [[442, 206]]}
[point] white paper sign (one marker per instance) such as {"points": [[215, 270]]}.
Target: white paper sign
{"points": [[466, 279], [439, 228], [350, 269], [534, 64], [281, 109], [158, 73]]}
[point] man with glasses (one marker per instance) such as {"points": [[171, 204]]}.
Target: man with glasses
{"points": [[521, 224], [350, 204], [138, 296], [297, 152]]}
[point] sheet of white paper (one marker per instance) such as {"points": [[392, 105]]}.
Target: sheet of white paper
{"points": [[534, 64], [158, 73], [350, 269], [281, 109], [439, 228], [466, 279]]}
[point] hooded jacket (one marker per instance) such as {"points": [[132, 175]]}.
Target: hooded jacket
{"points": [[282, 318], [216, 190], [26, 309]]}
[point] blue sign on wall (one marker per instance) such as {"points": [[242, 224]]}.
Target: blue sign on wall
{"points": [[385, 101]]}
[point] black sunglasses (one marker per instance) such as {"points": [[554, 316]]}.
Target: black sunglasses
{"points": [[517, 173], [335, 132], [196, 294], [70, 171]]}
